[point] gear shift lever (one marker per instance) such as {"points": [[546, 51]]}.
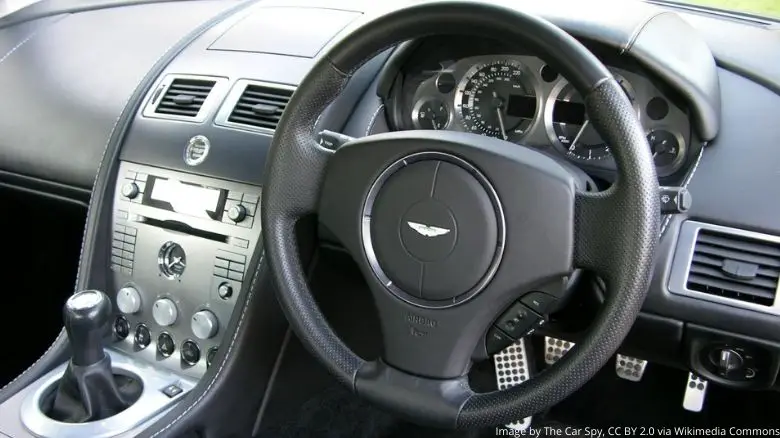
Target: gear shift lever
{"points": [[89, 390], [86, 316]]}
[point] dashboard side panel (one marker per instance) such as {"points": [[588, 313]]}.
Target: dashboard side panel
{"points": [[69, 86], [737, 180]]}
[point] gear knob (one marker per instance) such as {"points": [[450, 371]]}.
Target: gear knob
{"points": [[86, 315]]}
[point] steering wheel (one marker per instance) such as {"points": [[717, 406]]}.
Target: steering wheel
{"points": [[451, 229]]}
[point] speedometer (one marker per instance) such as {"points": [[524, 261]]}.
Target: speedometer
{"points": [[497, 98]]}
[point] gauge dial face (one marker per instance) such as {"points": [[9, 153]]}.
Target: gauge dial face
{"points": [[568, 124], [665, 146], [497, 98], [431, 114]]}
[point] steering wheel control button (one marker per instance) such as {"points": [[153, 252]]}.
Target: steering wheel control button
{"points": [[496, 341], [539, 302], [121, 328], [436, 230], [517, 321], [165, 344], [164, 312], [128, 300], [190, 352], [142, 337]]}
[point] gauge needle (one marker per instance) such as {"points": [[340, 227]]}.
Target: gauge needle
{"points": [[579, 134], [500, 116], [433, 121]]}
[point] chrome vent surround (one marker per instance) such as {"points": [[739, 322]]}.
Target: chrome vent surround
{"points": [[726, 265], [255, 106], [185, 97]]}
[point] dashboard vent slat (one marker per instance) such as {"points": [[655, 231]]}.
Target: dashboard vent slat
{"points": [[185, 97], [260, 106], [734, 266]]}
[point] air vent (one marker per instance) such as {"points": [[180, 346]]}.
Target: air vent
{"points": [[735, 266], [185, 97], [260, 106]]}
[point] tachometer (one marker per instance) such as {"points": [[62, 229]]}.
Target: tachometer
{"points": [[497, 98], [568, 126]]}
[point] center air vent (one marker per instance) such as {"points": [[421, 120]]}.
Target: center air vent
{"points": [[185, 97], [255, 105], [735, 266]]}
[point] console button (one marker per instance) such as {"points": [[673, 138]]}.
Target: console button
{"points": [[165, 312], [142, 336], [225, 291], [237, 213], [172, 390], [130, 190], [128, 300], [121, 327], [539, 302], [165, 344], [190, 352], [204, 324], [517, 320], [210, 356], [496, 341]]}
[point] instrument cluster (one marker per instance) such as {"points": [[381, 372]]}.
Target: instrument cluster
{"points": [[523, 100]]}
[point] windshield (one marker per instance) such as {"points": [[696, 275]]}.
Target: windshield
{"points": [[769, 8]]}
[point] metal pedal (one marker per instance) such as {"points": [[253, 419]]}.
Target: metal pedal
{"points": [[512, 368], [555, 348], [630, 368], [695, 391]]}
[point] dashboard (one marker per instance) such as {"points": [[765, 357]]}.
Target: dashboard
{"points": [[463, 85], [99, 111]]}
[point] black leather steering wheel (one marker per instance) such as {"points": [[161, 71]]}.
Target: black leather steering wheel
{"points": [[450, 229]]}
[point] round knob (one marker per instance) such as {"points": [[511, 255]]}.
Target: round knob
{"points": [[128, 299], [142, 336], [729, 360], [237, 213], [204, 324], [165, 312], [130, 190], [225, 291]]}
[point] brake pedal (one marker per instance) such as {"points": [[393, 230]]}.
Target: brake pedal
{"points": [[513, 368], [630, 368], [695, 391], [555, 348]]}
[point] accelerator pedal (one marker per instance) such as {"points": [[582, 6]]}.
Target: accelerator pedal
{"points": [[630, 368], [512, 368], [555, 349]]}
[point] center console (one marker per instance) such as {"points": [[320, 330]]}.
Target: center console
{"points": [[180, 248]]}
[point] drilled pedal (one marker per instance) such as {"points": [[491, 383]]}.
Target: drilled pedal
{"points": [[555, 348], [695, 392], [630, 368], [513, 368]]}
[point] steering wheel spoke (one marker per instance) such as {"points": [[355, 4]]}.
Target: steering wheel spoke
{"points": [[594, 243]]}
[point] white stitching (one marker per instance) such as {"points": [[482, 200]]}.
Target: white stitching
{"points": [[16, 47], [89, 208], [373, 120], [227, 355], [687, 180]]}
